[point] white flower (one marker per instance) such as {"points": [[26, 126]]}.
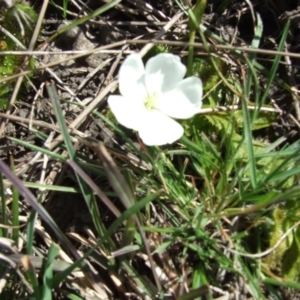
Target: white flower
{"points": [[152, 95]]}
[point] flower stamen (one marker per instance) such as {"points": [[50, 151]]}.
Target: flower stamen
{"points": [[151, 102]]}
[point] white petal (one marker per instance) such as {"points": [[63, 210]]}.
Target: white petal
{"points": [[131, 78], [163, 72], [159, 129], [129, 113], [184, 101]]}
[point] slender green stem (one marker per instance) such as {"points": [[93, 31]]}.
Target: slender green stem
{"points": [[191, 54], [195, 18]]}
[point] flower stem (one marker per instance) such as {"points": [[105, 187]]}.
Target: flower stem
{"points": [[195, 18], [191, 53]]}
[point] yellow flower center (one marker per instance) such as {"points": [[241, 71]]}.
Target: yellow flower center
{"points": [[151, 102]]}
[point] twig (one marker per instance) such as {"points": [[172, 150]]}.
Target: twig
{"points": [[268, 251], [14, 266], [92, 73], [216, 109], [104, 49], [162, 32], [13, 38], [150, 43]]}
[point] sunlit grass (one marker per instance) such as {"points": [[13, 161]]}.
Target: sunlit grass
{"points": [[196, 218]]}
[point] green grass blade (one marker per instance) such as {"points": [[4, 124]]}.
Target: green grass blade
{"points": [[255, 44], [31, 275], [31, 230], [112, 228], [38, 149], [248, 139], [275, 64], [4, 219], [15, 211], [84, 19], [48, 272], [26, 193], [61, 119]]}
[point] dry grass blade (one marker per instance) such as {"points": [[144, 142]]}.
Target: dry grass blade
{"points": [[125, 194], [26, 193], [95, 188], [14, 266]]}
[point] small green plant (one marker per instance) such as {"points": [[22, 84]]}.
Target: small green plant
{"points": [[18, 21], [204, 69], [285, 259]]}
